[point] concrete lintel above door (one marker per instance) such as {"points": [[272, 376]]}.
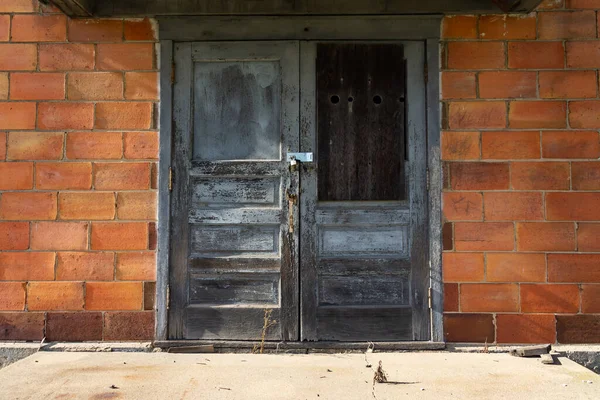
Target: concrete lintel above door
{"points": [[120, 8]]}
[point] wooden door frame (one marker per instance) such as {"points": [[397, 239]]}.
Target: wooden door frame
{"points": [[425, 28]]}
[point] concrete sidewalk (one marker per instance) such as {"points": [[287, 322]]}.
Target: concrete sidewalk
{"points": [[316, 376]]}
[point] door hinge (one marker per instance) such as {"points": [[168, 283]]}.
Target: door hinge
{"points": [[170, 179], [429, 297], [173, 73], [168, 297]]}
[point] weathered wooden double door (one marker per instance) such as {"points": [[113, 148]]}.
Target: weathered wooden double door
{"points": [[299, 197]]}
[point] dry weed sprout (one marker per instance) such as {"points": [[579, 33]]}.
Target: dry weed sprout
{"points": [[267, 323]]}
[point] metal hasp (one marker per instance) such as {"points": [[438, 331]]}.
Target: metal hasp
{"points": [[299, 157]]}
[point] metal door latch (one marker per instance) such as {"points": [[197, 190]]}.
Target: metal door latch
{"points": [[294, 158]]}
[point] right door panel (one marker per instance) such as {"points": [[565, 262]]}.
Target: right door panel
{"points": [[364, 273]]}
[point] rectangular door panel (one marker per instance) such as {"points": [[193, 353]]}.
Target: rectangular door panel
{"points": [[236, 259], [362, 204]]}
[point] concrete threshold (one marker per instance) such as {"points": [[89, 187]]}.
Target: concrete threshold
{"points": [[422, 375]]}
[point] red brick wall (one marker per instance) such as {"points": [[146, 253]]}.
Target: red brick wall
{"points": [[78, 151], [522, 176]]}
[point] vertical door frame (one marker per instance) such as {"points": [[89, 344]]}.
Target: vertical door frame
{"points": [[424, 28]]}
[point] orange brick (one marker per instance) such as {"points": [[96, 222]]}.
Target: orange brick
{"points": [[137, 205], [28, 206], [86, 206], [460, 145], [36, 86], [462, 206], [510, 145], [129, 325], [540, 175], [545, 236], [50, 296], [549, 298], [459, 85], [451, 297], [582, 4], [482, 236], [139, 29], [22, 325], [141, 145], [105, 296], [507, 84], [503, 27], [590, 299], [573, 206], [538, 114], [13, 296], [14, 235], [585, 175], [49, 9], [18, 6], [463, 267], [95, 86], [141, 85], [567, 84], [459, 27], [477, 115], [3, 86], [123, 115], [80, 266], [35, 146], [536, 55], [469, 328], [119, 236], [567, 25], [584, 54], [514, 267], [588, 237], [59, 236], [16, 176], [513, 206], [521, 329], [63, 176], [122, 176], [4, 28], [479, 176], [65, 116], [18, 57], [490, 297], [552, 4], [138, 266], [584, 114], [570, 144], [476, 55], [95, 30], [66, 57], [17, 115], [2, 146], [39, 28], [27, 266], [94, 145], [127, 56], [575, 268]]}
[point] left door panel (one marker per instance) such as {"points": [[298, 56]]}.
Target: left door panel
{"points": [[234, 223]]}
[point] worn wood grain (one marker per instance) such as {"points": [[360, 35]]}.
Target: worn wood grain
{"points": [[305, 347], [250, 288], [230, 322], [360, 104], [416, 113], [364, 290], [435, 189], [164, 196], [364, 323], [182, 123]]}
